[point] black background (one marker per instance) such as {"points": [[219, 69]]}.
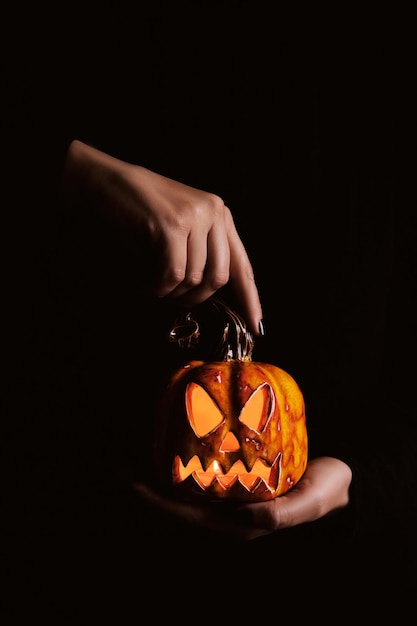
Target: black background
{"points": [[303, 127]]}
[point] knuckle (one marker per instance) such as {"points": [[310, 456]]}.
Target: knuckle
{"points": [[193, 280], [175, 276], [219, 280], [209, 207], [250, 275], [216, 205]]}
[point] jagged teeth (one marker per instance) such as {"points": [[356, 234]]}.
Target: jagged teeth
{"points": [[260, 472]]}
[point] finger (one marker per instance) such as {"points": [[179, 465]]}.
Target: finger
{"points": [[196, 252], [199, 516], [172, 264], [217, 267], [243, 283]]}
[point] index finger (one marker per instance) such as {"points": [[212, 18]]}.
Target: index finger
{"points": [[242, 280]]}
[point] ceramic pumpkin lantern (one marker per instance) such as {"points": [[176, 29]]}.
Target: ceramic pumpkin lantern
{"points": [[230, 429]]}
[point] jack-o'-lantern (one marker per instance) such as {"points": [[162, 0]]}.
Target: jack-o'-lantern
{"points": [[231, 429]]}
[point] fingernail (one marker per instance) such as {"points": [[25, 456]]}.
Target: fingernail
{"points": [[261, 328]]}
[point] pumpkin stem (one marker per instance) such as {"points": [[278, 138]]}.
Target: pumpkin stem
{"points": [[236, 343], [186, 331]]}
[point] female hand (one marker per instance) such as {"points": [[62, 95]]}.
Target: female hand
{"points": [[323, 489], [192, 232]]}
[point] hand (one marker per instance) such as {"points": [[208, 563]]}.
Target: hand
{"points": [[191, 231], [323, 489]]}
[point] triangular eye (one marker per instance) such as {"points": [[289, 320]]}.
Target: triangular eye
{"points": [[203, 414], [258, 409]]}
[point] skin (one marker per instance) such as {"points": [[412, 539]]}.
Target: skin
{"points": [[198, 250], [192, 231], [322, 491]]}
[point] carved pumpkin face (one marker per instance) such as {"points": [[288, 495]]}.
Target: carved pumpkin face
{"points": [[231, 430]]}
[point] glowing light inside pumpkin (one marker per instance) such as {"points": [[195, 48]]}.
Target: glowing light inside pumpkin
{"points": [[205, 417], [232, 428], [230, 443], [252, 413], [261, 472], [203, 414]]}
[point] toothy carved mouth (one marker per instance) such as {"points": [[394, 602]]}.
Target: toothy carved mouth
{"points": [[261, 472]]}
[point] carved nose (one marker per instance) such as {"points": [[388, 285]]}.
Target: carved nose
{"points": [[230, 443]]}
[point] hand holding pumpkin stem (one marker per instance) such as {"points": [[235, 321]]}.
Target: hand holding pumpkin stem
{"points": [[188, 235]]}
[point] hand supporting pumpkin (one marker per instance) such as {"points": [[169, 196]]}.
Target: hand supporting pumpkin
{"points": [[323, 490], [191, 231]]}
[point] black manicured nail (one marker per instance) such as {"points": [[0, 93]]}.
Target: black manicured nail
{"points": [[261, 328]]}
